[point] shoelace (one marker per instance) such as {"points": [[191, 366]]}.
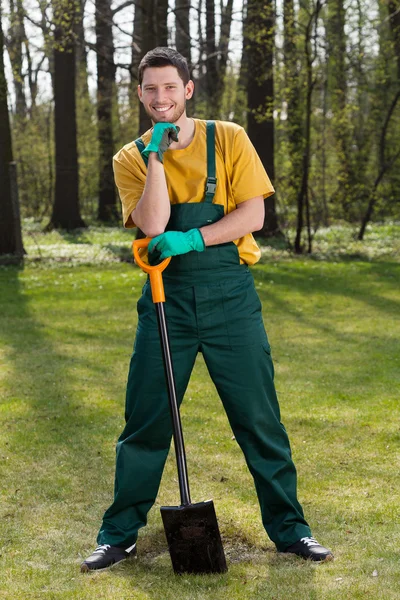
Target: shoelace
{"points": [[309, 541], [102, 547]]}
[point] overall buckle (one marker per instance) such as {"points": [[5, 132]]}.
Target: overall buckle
{"points": [[211, 185]]}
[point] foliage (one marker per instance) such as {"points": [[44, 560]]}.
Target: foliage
{"points": [[33, 143]]}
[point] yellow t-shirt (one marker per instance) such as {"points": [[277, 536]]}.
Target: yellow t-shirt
{"points": [[239, 171]]}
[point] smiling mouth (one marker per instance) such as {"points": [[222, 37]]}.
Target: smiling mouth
{"points": [[162, 108]]}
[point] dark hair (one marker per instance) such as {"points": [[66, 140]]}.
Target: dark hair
{"points": [[164, 57]]}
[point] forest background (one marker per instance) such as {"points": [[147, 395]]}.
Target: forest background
{"points": [[315, 83]]}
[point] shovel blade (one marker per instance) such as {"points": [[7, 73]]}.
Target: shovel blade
{"points": [[193, 538]]}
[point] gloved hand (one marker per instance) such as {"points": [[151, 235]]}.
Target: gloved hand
{"points": [[172, 243], [161, 138]]}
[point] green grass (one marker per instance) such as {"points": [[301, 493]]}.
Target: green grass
{"points": [[66, 336]]}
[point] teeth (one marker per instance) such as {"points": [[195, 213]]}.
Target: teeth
{"points": [[162, 109]]}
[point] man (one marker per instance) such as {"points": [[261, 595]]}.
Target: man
{"points": [[198, 189]]}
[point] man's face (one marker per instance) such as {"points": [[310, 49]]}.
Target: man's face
{"points": [[163, 94]]}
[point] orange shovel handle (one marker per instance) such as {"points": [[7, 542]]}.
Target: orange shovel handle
{"points": [[154, 272]]}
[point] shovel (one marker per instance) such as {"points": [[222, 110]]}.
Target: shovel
{"points": [[191, 530]]}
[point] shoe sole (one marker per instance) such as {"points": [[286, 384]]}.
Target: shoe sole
{"points": [[86, 569], [327, 558]]}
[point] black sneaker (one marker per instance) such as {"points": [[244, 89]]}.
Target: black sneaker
{"points": [[309, 548], [106, 556]]}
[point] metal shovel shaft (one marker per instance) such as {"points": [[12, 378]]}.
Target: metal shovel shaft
{"points": [[176, 420]]}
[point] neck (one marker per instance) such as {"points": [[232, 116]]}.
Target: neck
{"points": [[186, 133]]}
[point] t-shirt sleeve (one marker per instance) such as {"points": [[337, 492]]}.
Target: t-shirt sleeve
{"points": [[249, 178], [130, 179]]}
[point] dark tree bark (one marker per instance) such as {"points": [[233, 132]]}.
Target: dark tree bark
{"points": [[66, 211], [107, 211], [80, 52], [211, 62], [10, 225], [136, 52], [16, 37], [48, 36], [32, 77], [226, 23], [183, 29], [216, 55], [148, 43], [293, 93], [160, 23], [341, 124], [240, 108], [260, 93], [303, 203]]}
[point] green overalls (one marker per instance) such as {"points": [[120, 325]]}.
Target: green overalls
{"points": [[211, 307]]}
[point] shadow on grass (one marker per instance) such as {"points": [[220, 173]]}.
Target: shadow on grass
{"points": [[339, 282], [358, 355], [75, 236], [52, 438]]}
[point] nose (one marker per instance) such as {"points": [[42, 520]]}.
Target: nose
{"points": [[160, 96]]}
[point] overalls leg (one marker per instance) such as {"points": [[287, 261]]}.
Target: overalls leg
{"points": [[143, 446], [245, 386], [237, 353]]}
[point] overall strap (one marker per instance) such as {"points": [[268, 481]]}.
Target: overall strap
{"points": [[140, 146], [211, 184]]}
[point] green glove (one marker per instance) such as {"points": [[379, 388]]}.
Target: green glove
{"points": [[172, 243], [161, 138]]}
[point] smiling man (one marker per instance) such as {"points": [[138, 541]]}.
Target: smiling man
{"points": [[197, 188]]}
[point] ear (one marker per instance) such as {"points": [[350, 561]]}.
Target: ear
{"points": [[139, 91], [189, 89]]}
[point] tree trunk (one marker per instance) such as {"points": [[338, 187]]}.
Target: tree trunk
{"points": [[294, 109], [260, 29], [240, 108], [16, 37], [66, 211], [81, 54], [136, 53], [212, 84], [10, 225], [107, 211], [226, 23], [303, 201], [341, 123], [48, 36], [161, 28], [183, 29], [148, 42]]}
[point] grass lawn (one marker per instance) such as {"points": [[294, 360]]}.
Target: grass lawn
{"points": [[67, 330]]}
